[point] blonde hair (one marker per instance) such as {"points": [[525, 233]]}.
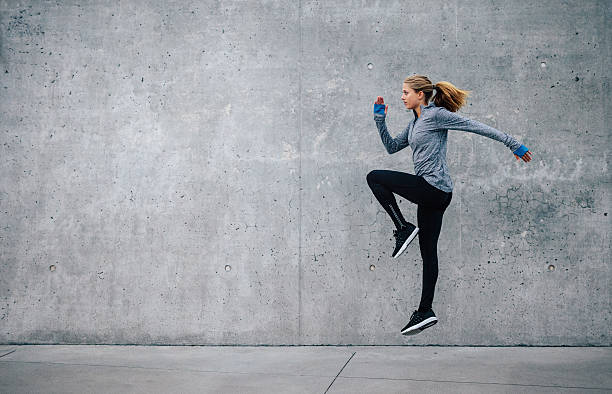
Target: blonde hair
{"points": [[447, 94]]}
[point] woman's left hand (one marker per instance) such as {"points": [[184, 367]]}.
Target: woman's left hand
{"points": [[526, 157]]}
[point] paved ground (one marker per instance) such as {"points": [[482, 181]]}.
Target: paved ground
{"points": [[304, 369]]}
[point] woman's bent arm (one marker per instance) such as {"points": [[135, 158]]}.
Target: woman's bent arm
{"points": [[391, 144]]}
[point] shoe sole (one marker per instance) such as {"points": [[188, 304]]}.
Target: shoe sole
{"points": [[417, 328], [405, 245]]}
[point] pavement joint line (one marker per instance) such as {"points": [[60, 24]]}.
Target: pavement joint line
{"points": [[345, 364], [162, 369], [332, 345], [303, 375], [12, 351], [470, 382]]}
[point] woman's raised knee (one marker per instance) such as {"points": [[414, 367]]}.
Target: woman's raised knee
{"points": [[371, 176]]}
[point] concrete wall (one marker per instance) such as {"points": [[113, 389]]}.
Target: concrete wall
{"points": [[195, 172]]}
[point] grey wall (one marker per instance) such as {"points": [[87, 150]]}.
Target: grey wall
{"points": [[147, 145]]}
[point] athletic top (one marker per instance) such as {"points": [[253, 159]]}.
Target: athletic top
{"points": [[427, 135]]}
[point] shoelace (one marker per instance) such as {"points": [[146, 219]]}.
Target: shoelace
{"points": [[416, 316], [399, 236]]}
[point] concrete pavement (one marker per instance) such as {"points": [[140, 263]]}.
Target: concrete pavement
{"points": [[303, 369]]}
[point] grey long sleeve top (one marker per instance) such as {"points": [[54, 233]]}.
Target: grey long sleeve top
{"points": [[427, 135]]}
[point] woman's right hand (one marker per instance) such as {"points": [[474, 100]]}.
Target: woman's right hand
{"points": [[379, 100]]}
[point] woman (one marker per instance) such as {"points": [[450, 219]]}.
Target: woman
{"points": [[431, 187]]}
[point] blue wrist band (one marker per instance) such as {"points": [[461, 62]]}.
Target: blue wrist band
{"points": [[379, 109], [521, 151]]}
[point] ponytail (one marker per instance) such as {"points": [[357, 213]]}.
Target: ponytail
{"points": [[447, 95]]}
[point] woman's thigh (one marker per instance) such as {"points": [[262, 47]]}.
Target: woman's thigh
{"points": [[430, 224], [412, 187]]}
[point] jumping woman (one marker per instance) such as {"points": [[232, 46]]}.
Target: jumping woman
{"points": [[431, 188]]}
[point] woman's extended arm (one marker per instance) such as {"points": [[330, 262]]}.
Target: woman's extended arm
{"points": [[391, 144], [446, 119]]}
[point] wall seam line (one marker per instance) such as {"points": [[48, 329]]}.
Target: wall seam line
{"points": [[300, 175]]}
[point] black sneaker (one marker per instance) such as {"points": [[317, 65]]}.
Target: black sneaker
{"points": [[403, 238], [419, 321]]}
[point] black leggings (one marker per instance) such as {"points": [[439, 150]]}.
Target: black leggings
{"points": [[431, 204]]}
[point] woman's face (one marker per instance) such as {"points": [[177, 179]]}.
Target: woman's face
{"points": [[411, 98]]}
